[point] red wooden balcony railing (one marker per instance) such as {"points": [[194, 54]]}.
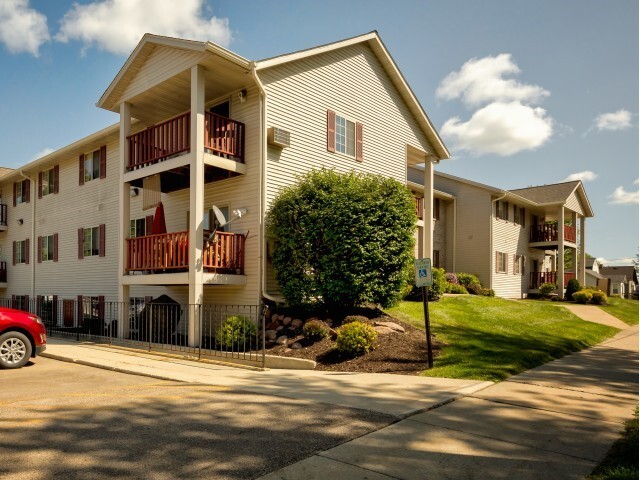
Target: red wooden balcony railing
{"points": [[538, 278], [160, 141], [224, 136], [548, 232], [170, 251], [419, 207]]}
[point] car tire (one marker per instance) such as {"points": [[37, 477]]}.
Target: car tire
{"points": [[15, 350]]}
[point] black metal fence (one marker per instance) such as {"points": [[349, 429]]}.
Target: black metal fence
{"points": [[232, 333]]}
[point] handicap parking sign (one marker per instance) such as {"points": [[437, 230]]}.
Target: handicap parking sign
{"points": [[423, 272]]}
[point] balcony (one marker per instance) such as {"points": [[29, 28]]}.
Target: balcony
{"points": [[548, 232], [538, 278], [222, 136], [419, 207], [169, 252]]}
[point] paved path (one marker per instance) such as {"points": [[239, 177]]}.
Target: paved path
{"points": [[556, 421], [594, 314]]}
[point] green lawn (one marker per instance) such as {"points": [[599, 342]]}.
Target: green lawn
{"points": [[625, 310], [488, 338], [621, 463]]}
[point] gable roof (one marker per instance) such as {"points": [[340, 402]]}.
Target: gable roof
{"points": [[628, 270], [556, 193], [593, 274], [384, 57]]}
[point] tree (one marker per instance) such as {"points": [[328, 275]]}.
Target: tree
{"points": [[342, 240]]}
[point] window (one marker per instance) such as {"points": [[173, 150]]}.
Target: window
{"points": [[48, 247], [501, 262], [502, 210], [518, 264], [91, 241], [208, 220], [138, 228], [518, 216], [344, 136], [93, 165], [21, 251], [48, 182], [21, 192]]}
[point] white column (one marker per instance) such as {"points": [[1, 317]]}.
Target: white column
{"points": [[427, 215], [560, 261], [196, 204], [124, 220], [574, 252], [583, 256]]}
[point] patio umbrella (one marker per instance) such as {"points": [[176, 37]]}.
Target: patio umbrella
{"points": [[159, 224]]}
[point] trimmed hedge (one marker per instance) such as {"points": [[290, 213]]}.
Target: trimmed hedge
{"points": [[583, 296], [356, 338]]}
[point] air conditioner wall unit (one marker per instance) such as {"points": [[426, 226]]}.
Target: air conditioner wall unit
{"points": [[278, 137]]}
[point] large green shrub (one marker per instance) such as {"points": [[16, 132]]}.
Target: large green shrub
{"points": [[356, 338], [598, 297], [546, 289], [573, 286], [467, 279], [583, 296], [455, 288], [315, 330], [237, 333], [439, 285], [342, 239]]}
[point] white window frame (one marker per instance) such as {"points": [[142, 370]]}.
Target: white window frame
{"points": [[500, 258], [503, 211], [344, 144], [92, 160], [21, 251], [20, 192], [518, 266], [48, 179], [93, 239], [46, 248], [134, 227]]}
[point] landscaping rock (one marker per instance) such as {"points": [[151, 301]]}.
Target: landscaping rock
{"points": [[296, 322], [295, 346], [272, 325], [280, 327], [391, 325], [382, 330], [286, 320], [282, 340], [270, 334]]}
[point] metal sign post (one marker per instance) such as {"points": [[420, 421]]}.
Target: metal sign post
{"points": [[424, 279]]}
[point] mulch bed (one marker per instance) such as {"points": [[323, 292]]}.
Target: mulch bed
{"points": [[399, 353]]}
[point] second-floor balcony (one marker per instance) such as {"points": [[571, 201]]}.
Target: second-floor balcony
{"points": [[169, 252], [222, 136], [548, 232]]}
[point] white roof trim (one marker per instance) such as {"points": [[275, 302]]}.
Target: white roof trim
{"points": [[436, 193]]}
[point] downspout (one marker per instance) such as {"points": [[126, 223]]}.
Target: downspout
{"points": [[34, 247], [263, 184], [491, 259]]}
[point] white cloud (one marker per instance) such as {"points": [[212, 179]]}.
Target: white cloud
{"points": [[22, 29], [586, 176], [621, 197], [118, 25], [500, 128], [43, 153], [481, 81], [614, 121]]}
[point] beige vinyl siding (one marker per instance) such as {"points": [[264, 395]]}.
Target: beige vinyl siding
{"points": [[449, 209], [351, 82], [512, 239], [573, 203], [440, 235], [473, 217], [18, 276], [161, 64]]}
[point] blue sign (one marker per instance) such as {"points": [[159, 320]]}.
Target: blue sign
{"points": [[423, 275]]}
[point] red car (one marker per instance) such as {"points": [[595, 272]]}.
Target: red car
{"points": [[22, 336]]}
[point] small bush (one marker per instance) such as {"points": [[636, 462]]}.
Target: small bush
{"points": [[455, 288], [474, 289], [356, 318], [546, 289], [598, 297], [439, 284], [315, 330], [356, 338], [237, 332], [583, 296], [488, 292], [451, 278], [573, 286], [467, 279]]}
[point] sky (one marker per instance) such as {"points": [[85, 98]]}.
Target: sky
{"points": [[522, 92]]}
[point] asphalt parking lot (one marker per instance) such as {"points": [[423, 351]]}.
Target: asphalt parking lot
{"points": [[67, 421]]}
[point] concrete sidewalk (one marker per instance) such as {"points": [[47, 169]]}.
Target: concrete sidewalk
{"points": [[398, 395], [556, 421]]}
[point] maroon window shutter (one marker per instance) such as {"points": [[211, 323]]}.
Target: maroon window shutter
{"points": [[524, 262], [14, 252], [148, 228], [331, 130], [497, 262], [359, 142], [81, 169], [26, 253], [436, 208], [103, 161], [79, 310], [39, 184], [102, 240], [54, 308], [15, 194], [80, 243], [498, 209], [101, 307], [55, 247], [39, 250], [56, 179], [27, 189]]}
